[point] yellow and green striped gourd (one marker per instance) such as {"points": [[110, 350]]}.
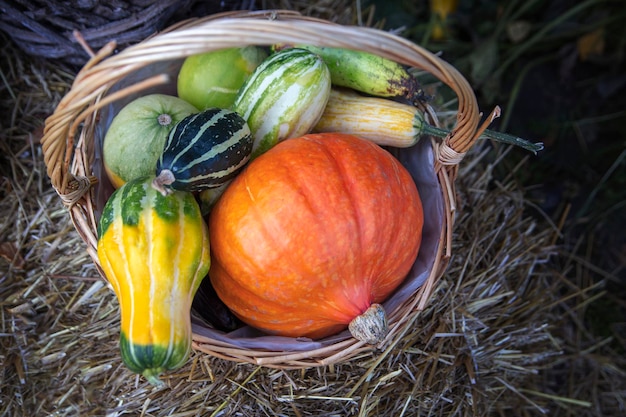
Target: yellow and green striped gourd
{"points": [[154, 250]]}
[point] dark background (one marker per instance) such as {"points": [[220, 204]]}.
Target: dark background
{"points": [[529, 57], [557, 69]]}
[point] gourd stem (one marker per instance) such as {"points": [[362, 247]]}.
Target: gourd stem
{"points": [[164, 119], [488, 134], [512, 140], [152, 375], [165, 177]]}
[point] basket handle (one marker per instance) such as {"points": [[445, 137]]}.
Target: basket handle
{"points": [[232, 29]]}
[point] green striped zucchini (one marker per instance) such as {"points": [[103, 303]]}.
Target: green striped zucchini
{"points": [[368, 73], [284, 97], [154, 250], [204, 150]]}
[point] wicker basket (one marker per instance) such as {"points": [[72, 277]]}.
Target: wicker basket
{"points": [[72, 135], [45, 28]]}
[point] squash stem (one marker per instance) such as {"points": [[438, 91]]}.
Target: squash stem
{"points": [[512, 140], [489, 134], [165, 177], [152, 375], [164, 119]]}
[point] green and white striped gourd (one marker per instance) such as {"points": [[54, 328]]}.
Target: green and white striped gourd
{"points": [[284, 97]]}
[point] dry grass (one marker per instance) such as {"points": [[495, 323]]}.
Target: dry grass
{"points": [[503, 335]]}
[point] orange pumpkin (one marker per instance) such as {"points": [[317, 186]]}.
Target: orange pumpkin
{"points": [[313, 234]]}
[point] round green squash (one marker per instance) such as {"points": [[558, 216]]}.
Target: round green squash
{"points": [[213, 79]]}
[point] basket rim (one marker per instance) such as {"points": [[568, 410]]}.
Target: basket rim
{"points": [[68, 160]]}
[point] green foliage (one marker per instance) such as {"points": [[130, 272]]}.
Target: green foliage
{"points": [[558, 71]]}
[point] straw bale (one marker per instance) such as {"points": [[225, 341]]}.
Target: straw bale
{"points": [[502, 334]]}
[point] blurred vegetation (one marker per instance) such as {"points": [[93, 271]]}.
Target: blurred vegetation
{"points": [[558, 70]]}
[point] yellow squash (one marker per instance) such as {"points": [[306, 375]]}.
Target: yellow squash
{"points": [[390, 123]]}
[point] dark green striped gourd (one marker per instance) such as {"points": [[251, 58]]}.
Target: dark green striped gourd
{"points": [[204, 150]]}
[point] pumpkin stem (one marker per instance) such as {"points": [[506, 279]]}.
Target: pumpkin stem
{"points": [[371, 326], [165, 177]]}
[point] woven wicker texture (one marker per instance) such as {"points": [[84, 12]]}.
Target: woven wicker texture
{"points": [[46, 28], [69, 147]]}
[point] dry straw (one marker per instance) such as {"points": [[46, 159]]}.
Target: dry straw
{"points": [[69, 146], [503, 333]]}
